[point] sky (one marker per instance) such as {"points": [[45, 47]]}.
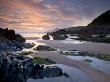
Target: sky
{"points": [[46, 15]]}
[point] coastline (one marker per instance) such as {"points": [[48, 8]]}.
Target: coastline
{"points": [[95, 75], [96, 48]]}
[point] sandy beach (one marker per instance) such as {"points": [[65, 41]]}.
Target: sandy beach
{"points": [[94, 74], [98, 48]]}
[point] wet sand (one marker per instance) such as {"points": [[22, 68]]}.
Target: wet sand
{"points": [[100, 48], [94, 74]]}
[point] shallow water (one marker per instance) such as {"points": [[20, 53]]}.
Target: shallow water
{"points": [[37, 35], [75, 76], [36, 44], [96, 63], [73, 41]]}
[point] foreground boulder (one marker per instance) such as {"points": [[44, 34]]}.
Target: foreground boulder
{"points": [[44, 48], [10, 46], [52, 71], [15, 68]]}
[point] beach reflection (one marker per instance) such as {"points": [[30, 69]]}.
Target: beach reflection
{"points": [[75, 76], [96, 63]]}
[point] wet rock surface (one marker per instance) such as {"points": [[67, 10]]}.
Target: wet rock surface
{"points": [[19, 67], [10, 46], [44, 48], [52, 71], [28, 45], [10, 41], [46, 37], [60, 37], [15, 68]]}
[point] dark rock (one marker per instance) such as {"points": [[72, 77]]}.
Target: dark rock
{"points": [[103, 19], [52, 71], [60, 37], [9, 41], [15, 68], [46, 37], [44, 48], [19, 38], [58, 32], [28, 45], [10, 35], [10, 46]]}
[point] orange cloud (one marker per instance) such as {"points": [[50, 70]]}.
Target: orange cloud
{"points": [[30, 18], [34, 15]]}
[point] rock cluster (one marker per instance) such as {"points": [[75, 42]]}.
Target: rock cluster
{"points": [[14, 45], [60, 37], [15, 68], [10, 46], [6, 34], [59, 34], [44, 48], [10, 41], [18, 68], [28, 45]]}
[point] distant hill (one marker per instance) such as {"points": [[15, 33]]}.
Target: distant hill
{"points": [[74, 30], [100, 25], [103, 19], [70, 30]]}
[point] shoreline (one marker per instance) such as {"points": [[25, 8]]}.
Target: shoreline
{"points": [[94, 74], [96, 48]]}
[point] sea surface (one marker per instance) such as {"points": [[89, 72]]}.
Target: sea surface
{"points": [[37, 35]]}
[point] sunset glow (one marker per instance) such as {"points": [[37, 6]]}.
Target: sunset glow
{"points": [[45, 15]]}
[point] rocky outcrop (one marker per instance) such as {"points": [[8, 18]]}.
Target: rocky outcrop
{"points": [[44, 48], [29, 45], [100, 25], [59, 34], [6, 34], [15, 68], [10, 46], [60, 37], [46, 37], [52, 71], [103, 19], [19, 38], [10, 41]]}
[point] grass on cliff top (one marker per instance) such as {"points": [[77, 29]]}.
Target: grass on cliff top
{"points": [[40, 60]]}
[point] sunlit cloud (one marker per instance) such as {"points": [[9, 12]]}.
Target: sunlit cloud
{"points": [[44, 15], [37, 1]]}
